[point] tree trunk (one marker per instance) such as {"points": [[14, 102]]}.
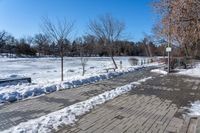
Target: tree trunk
{"points": [[149, 49], [83, 73], [114, 62], [146, 50], [61, 53], [196, 51], [186, 50], [111, 52], [62, 68]]}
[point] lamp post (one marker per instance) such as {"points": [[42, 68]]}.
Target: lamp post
{"points": [[169, 49]]}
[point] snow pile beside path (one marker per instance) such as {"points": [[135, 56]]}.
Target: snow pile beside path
{"points": [[159, 71], [140, 81], [68, 115], [194, 110], [19, 92], [194, 72]]}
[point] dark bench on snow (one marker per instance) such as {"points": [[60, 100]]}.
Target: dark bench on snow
{"points": [[108, 69], [16, 80]]}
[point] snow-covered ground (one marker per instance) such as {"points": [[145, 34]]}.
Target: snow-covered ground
{"points": [[194, 110], [68, 115], [160, 71], [47, 70], [46, 75], [194, 72]]}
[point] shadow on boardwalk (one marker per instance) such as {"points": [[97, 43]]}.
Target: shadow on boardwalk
{"points": [[14, 113], [155, 106]]}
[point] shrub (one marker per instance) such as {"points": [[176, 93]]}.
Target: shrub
{"points": [[133, 61]]}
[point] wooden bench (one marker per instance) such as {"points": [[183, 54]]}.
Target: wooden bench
{"points": [[17, 80], [107, 69]]}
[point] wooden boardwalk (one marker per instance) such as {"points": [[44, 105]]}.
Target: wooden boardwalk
{"points": [[12, 114], [128, 114], [153, 107]]}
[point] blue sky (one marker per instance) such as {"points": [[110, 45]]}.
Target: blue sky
{"points": [[22, 18]]}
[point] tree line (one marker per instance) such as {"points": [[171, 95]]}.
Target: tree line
{"points": [[40, 45], [178, 26], [105, 38]]}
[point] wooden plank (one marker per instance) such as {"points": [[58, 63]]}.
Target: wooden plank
{"points": [[198, 126], [192, 125]]}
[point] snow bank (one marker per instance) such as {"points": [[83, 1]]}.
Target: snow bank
{"points": [[69, 114], [194, 72], [19, 92], [159, 71], [194, 110], [140, 81]]}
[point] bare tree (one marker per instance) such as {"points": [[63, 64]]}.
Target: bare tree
{"points": [[5, 40], [180, 21], [147, 41], [84, 61], [107, 29], [10, 42], [2, 36], [42, 43], [58, 32], [82, 52]]}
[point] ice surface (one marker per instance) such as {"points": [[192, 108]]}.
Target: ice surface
{"points": [[47, 70]]}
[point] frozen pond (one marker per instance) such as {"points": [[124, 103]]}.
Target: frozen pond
{"points": [[46, 70], [45, 74]]}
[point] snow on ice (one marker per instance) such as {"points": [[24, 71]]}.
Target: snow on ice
{"points": [[22, 91], [47, 70], [69, 114]]}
